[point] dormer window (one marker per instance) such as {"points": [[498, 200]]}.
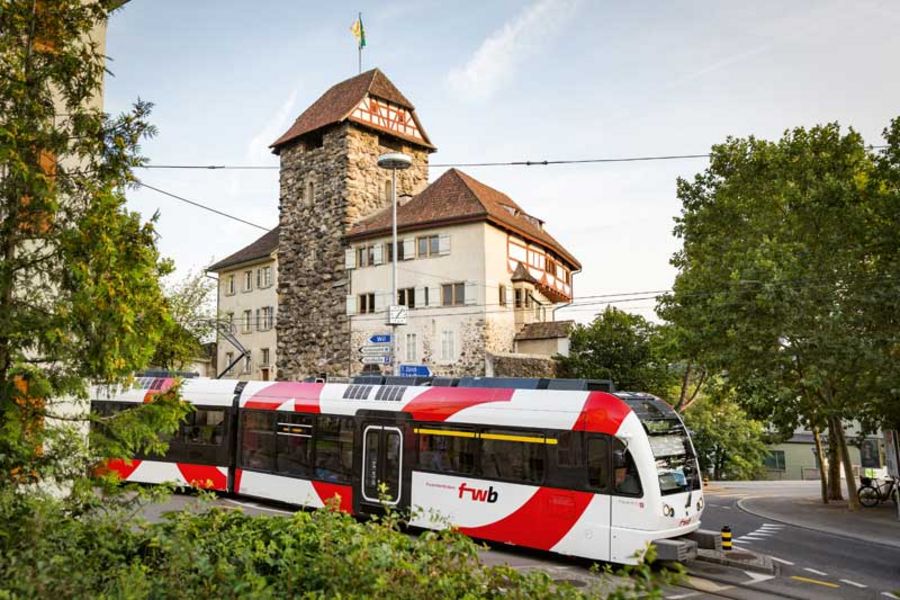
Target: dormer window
{"points": [[510, 209]]}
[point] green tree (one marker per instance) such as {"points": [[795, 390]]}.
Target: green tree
{"points": [[729, 444], [80, 299], [189, 301], [623, 347], [788, 278]]}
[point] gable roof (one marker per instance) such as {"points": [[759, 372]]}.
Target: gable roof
{"points": [[457, 198], [261, 248], [336, 105]]}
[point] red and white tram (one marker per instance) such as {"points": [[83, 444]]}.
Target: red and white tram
{"points": [[578, 472]]}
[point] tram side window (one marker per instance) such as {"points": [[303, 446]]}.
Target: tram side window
{"points": [[294, 439], [258, 440], [334, 449], [203, 427], [513, 455], [450, 452], [598, 463], [627, 480]]}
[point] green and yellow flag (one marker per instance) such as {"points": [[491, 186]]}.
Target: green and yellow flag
{"points": [[359, 32]]}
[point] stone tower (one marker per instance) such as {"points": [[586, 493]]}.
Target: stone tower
{"points": [[329, 181]]}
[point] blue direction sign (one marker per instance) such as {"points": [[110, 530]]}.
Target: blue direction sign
{"points": [[414, 371], [380, 338]]}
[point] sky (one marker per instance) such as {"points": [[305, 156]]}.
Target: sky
{"points": [[503, 80]]}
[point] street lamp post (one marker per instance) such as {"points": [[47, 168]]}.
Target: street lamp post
{"points": [[394, 161]]}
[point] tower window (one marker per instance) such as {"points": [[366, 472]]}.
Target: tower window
{"points": [[310, 193], [387, 190]]}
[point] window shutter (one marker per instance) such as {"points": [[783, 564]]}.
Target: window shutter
{"points": [[444, 244], [409, 248], [420, 297], [351, 304], [434, 296], [381, 301], [378, 254], [470, 292], [349, 258]]}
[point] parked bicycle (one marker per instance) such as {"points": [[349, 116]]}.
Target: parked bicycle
{"points": [[872, 492]]}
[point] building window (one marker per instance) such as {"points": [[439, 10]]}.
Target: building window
{"points": [[247, 363], [407, 297], [264, 277], [429, 245], [389, 251], [265, 318], [229, 358], [520, 297], [775, 460], [448, 345], [411, 347], [264, 359], [229, 285], [247, 321], [502, 297], [248, 281], [453, 294], [366, 303], [310, 192]]}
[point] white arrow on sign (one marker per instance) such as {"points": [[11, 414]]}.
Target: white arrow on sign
{"points": [[375, 360]]}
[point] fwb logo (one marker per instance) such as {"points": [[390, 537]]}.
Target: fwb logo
{"points": [[479, 495]]}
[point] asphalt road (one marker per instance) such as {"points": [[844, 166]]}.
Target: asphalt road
{"points": [[811, 564], [807, 559]]}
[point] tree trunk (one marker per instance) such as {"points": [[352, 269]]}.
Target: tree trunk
{"points": [[844, 451], [820, 456], [834, 464]]}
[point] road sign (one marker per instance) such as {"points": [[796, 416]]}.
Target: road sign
{"points": [[380, 338], [375, 350], [375, 360], [414, 371], [397, 314]]}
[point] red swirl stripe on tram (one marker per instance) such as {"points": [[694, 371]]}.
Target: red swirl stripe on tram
{"points": [[440, 403], [164, 386], [601, 413], [206, 477], [327, 491], [123, 468], [305, 396], [539, 523]]}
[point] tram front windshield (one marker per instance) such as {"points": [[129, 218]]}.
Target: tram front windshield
{"points": [[676, 465]]}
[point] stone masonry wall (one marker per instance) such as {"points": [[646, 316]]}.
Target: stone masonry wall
{"points": [[312, 325], [520, 365]]}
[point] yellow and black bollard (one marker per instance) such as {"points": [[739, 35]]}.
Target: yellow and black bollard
{"points": [[726, 538]]}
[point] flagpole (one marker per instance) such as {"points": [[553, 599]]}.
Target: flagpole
{"points": [[359, 47]]}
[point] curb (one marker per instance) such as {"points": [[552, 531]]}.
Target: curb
{"points": [[840, 534], [768, 567]]}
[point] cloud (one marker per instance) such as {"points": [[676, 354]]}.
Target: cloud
{"points": [[258, 151], [494, 62]]}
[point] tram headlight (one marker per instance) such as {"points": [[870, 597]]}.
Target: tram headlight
{"points": [[668, 510], [700, 504]]}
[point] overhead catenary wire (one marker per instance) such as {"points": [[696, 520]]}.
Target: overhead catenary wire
{"points": [[202, 206], [510, 163]]}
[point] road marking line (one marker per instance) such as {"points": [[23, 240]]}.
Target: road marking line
{"points": [[890, 595], [781, 560], [815, 581], [772, 525], [815, 571], [724, 507], [859, 585], [258, 507], [680, 596], [757, 577]]}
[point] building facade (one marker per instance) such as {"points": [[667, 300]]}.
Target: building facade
{"points": [[478, 275], [247, 301]]}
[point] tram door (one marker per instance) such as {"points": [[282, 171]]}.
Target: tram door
{"points": [[383, 483]]}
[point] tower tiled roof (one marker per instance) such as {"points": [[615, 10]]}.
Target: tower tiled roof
{"points": [[261, 248], [336, 105], [458, 198]]}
